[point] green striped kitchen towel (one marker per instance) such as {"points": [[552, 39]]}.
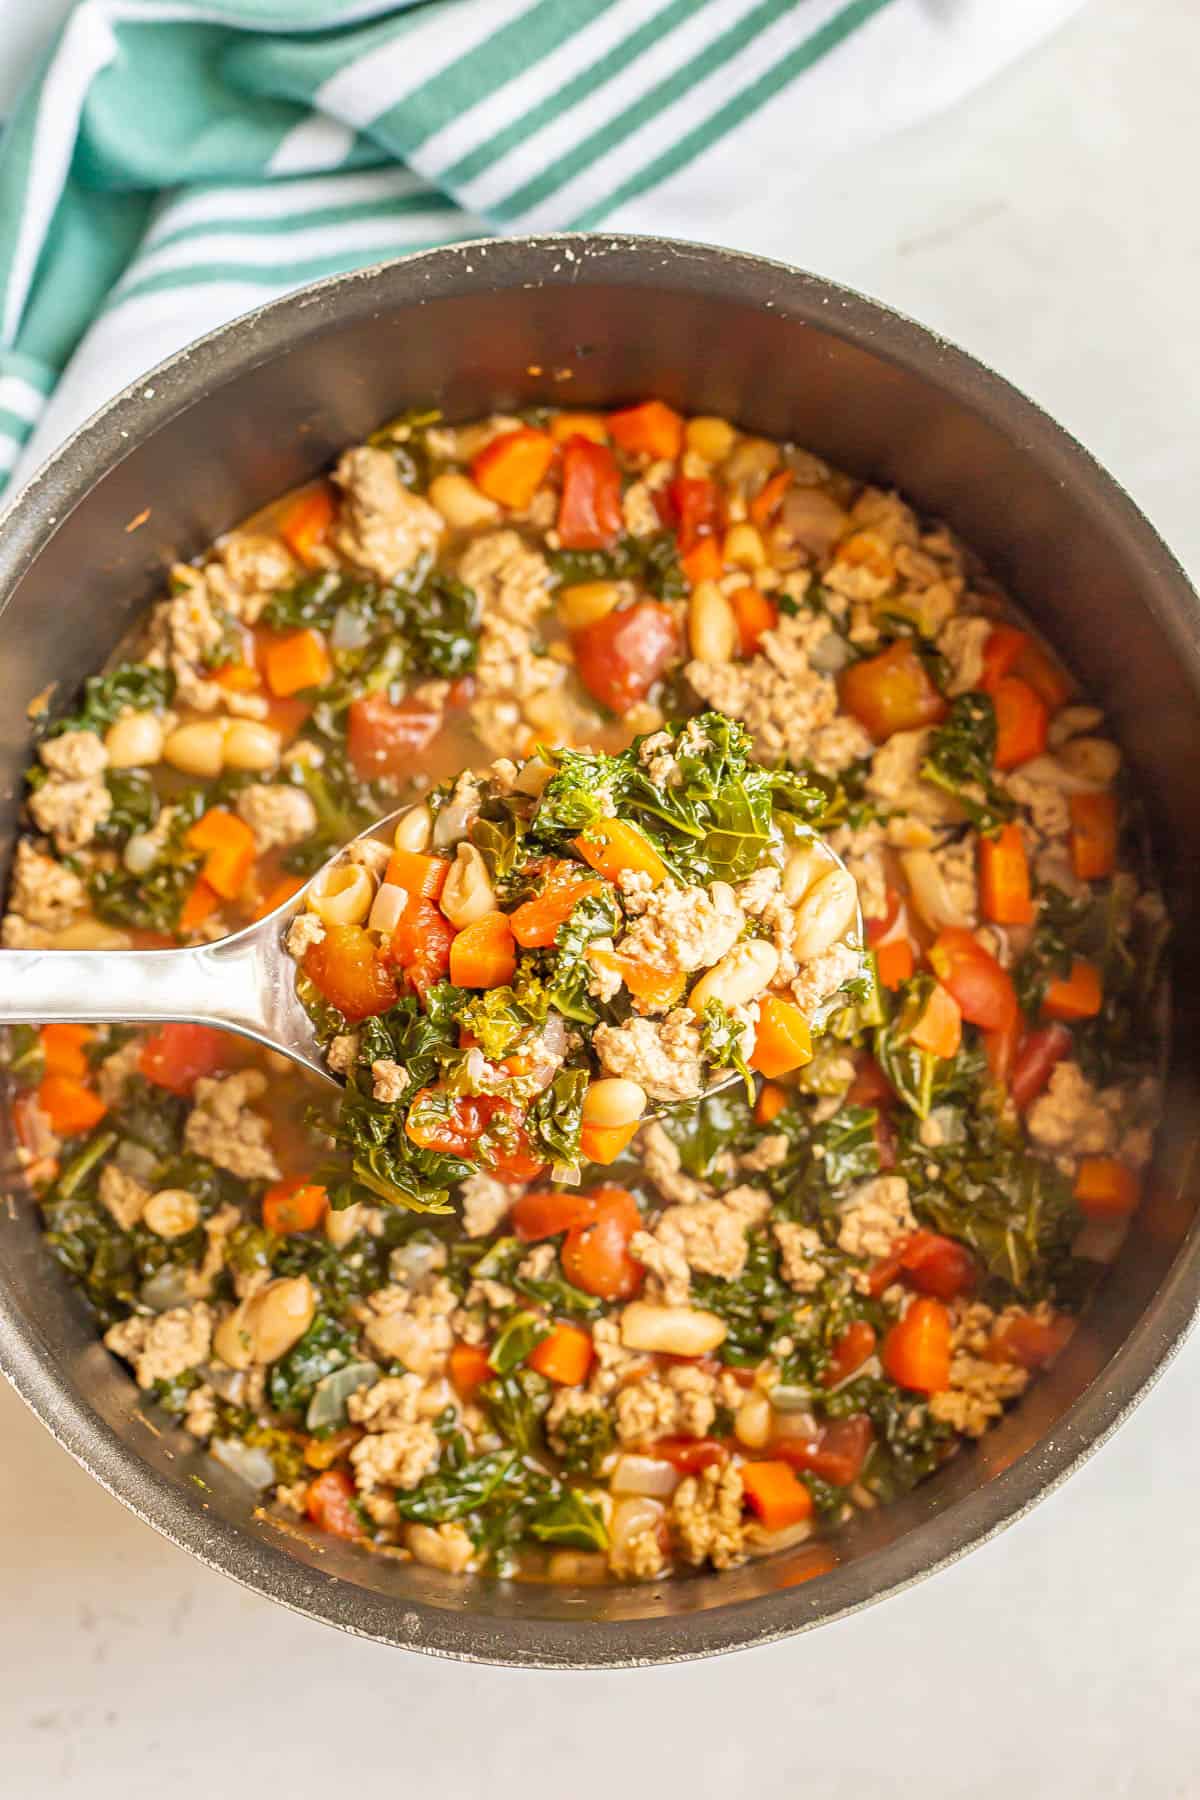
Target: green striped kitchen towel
{"points": [[177, 162]]}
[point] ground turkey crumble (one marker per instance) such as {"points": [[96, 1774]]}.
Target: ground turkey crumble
{"points": [[224, 1128], [979, 1387], [278, 815], [1072, 1118], [800, 1251], [44, 892], [874, 1215], [706, 1518], [164, 1347], [685, 928], [679, 1403], [383, 528], [512, 583], [664, 1058], [73, 801]]}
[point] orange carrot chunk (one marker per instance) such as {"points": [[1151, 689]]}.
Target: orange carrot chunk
{"points": [[891, 692], [70, 1105], [652, 430], [469, 1369], [939, 1028], [297, 661], [755, 614], [511, 469], [1093, 835], [783, 1040], [894, 962], [564, 1356], [201, 903], [64, 1049], [536, 922], [1004, 890], [610, 846], [770, 1103], [483, 955], [916, 1351], [775, 1493], [422, 877], [231, 850], [1078, 995], [604, 1143], [294, 1205], [704, 562], [1106, 1188], [305, 523]]}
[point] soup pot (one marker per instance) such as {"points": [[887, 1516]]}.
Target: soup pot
{"points": [[586, 321]]}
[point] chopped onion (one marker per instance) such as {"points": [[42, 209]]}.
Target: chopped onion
{"points": [[328, 1404], [134, 1159], [830, 655], [249, 1462], [931, 896], [350, 630], [141, 852], [387, 907], [791, 1399], [167, 1287], [630, 1517], [415, 1259], [644, 1475]]}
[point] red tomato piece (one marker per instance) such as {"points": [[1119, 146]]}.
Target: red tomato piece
{"points": [[1030, 1342], [383, 739], [589, 513], [420, 944], [688, 1455], [972, 976], [916, 1351], [621, 656], [595, 1256], [938, 1265], [536, 1216], [329, 1503], [694, 505], [175, 1056], [836, 1454], [347, 971], [850, 1352]]}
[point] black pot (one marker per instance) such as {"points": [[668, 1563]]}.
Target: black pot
{"points": [[266, 402]]}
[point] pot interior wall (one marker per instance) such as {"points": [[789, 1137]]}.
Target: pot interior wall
{"points": [[771, 351]]}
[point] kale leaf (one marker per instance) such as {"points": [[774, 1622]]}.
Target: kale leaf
{"points": [[105, 697], [326, 1345], [652, 561], [960, 758]]}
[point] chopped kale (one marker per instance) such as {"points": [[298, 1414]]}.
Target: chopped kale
{"points": [[556, 1117], [515, 1404], [326, 1345], [105, 697], [585, 1438], [428, 622], [652, 561], [960, 761]]}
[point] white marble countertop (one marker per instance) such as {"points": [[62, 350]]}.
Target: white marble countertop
{"points": [[1049, 226]]}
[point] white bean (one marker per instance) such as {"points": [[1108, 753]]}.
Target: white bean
{"points": [[613, 1101], [90, 934], [267, 1325], [342, 895], [672, 1330], [712, 625], [824, 915], [740, 976], [806, 863], [643, 1475], [467, 894], [134, 742], [414, 829], [752, 1421], [744, 547], [171, 1213], [251, 746], [460, 502], [197, 749], [1092, 759]]}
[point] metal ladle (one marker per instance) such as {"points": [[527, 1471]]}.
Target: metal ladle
{"points": [[244, 983]]}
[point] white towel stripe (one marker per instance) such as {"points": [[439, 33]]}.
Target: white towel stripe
{"points": [[389, 74], [20, 397], [219, 205], [318, 142], [306, 244]]}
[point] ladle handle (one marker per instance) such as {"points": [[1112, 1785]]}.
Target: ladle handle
{"points": [[199, 985]]}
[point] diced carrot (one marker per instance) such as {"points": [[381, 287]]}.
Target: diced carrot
{"points": [[277, 893], [568, 425], [704, 562], [483, 955], [939, 1028], [891, 692], [229, 843], [469, 1369], [1004, 890], [296, 662], [1045, 677], [294, 1205], [238, 678], [775, 1493], [564, 1356], [654, 989], [1106, 1188], [783, 1040], [422, 877], [767, 501], [286, 716], [894, 962], [604, 1143], [1093, 835], [305, 523], [541, 1215], [323, 1452], [916, 1351], [511, 469], [329, 1503], [63, 1049], [1004, 645], [755, 614], [652, 429], [70, 1105], [1078, 995], [611, 847], [200, 904], [770, 1103], [1021, 722], [536, 922]]}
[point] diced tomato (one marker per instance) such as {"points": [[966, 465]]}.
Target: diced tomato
{"points": [[589, 513], [420, 944], [1036, 1056], [850, 1352], [295, 1204], [836, 1454], [688, 1455], [349, 974], [891, 692], [916, 1351], [938, 1265], [595, 1255], [870, 1086], [620, 657], [694, 505], [457, 1124], [383, 740], [982, 988], [175, 1056], [329, 1503], [1004, 645], [1031, 1343]]}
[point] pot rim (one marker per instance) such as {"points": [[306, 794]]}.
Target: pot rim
{"points": [[27, 523]]}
